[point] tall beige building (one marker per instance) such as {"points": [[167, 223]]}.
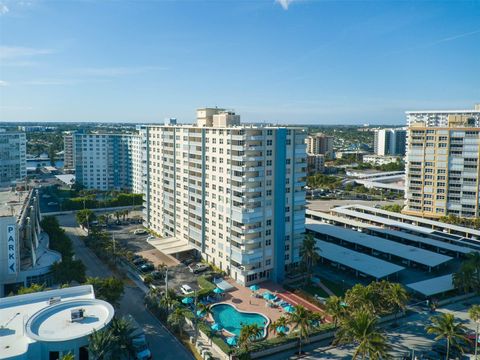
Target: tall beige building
{"points": [[232, 193], [442, 163], [320, 144]]}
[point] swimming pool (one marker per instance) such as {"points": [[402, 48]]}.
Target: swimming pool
{"points": [[232, 319]]}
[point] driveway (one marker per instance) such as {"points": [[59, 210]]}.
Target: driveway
{"points": [[163, 345]]}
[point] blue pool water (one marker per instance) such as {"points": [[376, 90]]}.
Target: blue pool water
{"points": [[231, 319]]}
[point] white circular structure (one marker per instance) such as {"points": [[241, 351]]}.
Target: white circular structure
{"points": [[54, 323]]}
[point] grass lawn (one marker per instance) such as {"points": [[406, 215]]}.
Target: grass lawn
{"points": [[315, 290], [336, 288]]}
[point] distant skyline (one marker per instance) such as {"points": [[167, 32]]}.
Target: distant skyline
{"points": [[286, 61]]}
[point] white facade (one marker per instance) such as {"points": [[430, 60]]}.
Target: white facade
{"points": [[39, 326], [442, 163], [13, 160], [233, 193], [379, 159], [390, 141], [24, 254]]}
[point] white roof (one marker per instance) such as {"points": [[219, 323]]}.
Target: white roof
{"points": [[171, 245], [358, 261], [431, 223], [420, 256], [25, 319], [433, 286], [68, 179], [401, 234]]}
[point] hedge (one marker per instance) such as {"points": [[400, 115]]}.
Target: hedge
{"points": [[91, 203]]}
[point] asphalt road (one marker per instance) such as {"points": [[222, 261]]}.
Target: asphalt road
{"points": [[163, 345]]}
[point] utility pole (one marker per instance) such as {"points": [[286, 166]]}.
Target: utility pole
{"points": [[166, 282], [195, 315], [114, 256]]}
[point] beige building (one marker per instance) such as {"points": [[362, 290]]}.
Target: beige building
{"points": [[68, 155], [316, 163], [320, 144], [234, 194], [442, 163]]}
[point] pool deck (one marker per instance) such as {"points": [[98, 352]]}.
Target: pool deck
{"points": [[243, 300]]}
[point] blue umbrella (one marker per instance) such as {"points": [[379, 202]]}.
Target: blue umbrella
{"points": [[200, 313], [344, 304], [289, 309], [216, 327], [282, 329], [187, 300], [218, 290], [232, 341], [269, 296], [254, 287]]}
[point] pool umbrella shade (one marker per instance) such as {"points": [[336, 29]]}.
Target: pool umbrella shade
{"points": [[200, 313], [254, 287], [269, 296], [282, 329], [289, 309], [232, 341], [218, 291], [216, 327], [187, 300]]}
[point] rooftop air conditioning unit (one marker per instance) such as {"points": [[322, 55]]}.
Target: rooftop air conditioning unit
{"points": [[54, 300], [77, 315]]}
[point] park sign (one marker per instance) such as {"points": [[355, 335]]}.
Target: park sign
{"points": [[11, 249]]}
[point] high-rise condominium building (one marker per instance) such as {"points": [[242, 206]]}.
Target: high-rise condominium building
{"points": [[320, 144], [68, 157], [390, 141], [233, 193], [442, 163], [104, 161], [13, 161]]}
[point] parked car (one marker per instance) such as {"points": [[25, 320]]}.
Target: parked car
{"points": [[147, 267], [151, 237], [188, 261], [186, 289], [139, 261], [140, 232], [198, 268], [157, 274]]}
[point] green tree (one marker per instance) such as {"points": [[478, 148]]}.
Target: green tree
{"points": [[176, 320], [248, 334], [464, 278], [68, 356], [445, 327], [109, 289], [33, 288], [300, 320], [397, 297], [474, 314], [334, 308], [361, 329], [123, 330], [282, 321], [68, 270], [309, 254], [85, 216], [101, 344]]}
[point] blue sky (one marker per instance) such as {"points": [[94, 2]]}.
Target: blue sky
{"points": [[325, 62]]}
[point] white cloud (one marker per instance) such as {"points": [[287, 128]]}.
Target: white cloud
{"points": [[3, 83], [15, 52], [284, 3], [3, 9]]}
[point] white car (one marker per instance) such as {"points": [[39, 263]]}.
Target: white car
{"points": [[140, 232], [186, 289]]}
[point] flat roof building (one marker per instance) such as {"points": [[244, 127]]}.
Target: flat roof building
{"points": [[50, 324], [13, 157], [25, 257]]}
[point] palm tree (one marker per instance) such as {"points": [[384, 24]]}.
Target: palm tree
{"points": [[177, 319], [281, 322], [334, 308], [474, 260], [300, 320], [68, 356], [361, 328], [398, 297], [100, 345], [464, 278], [474, 313], [248, 334], [309, 253], [444, 326], [123, 330]]}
